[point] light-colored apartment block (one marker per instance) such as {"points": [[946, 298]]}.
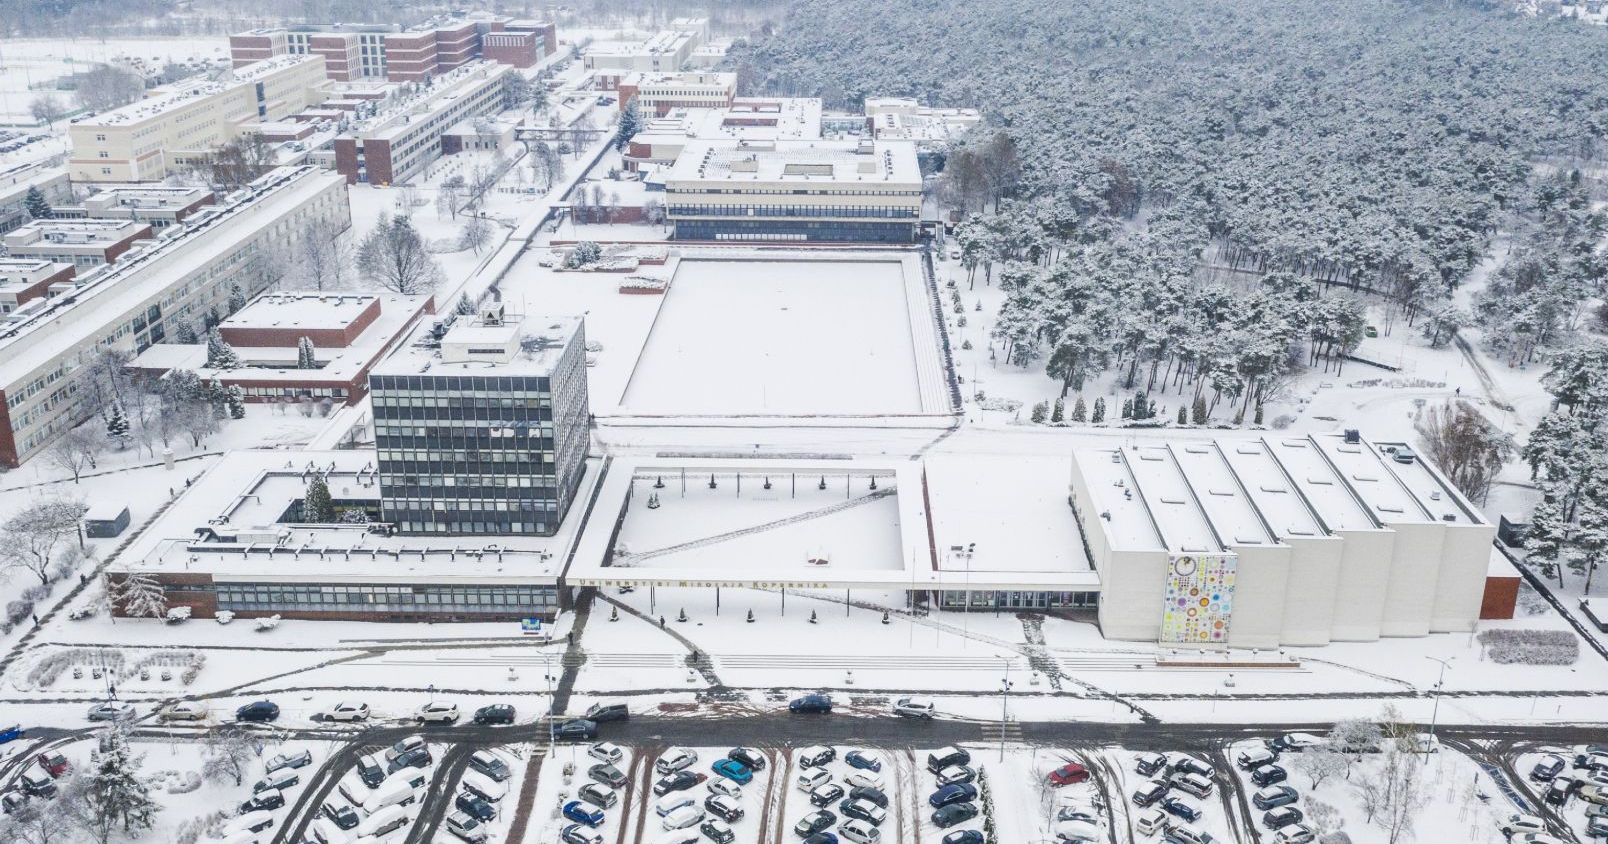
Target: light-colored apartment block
{"points": [[395, 146], [147, 140], [655, 94], [82, 243]]}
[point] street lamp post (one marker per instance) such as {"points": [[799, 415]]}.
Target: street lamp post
{"points": [[1434, 712], [1004, 705]]}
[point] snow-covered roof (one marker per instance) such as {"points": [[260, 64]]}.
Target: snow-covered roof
{"points": [[1364, 470], [1010, 513], [520, 345], [1271, 491], [1234, 519], [889, 163], [311, 309], [1116, 503], [1432, 491], [1161, 483], [1330, 497]]}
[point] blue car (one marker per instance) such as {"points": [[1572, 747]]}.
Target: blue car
{"points": [[733, 770], [575, 810], [965, 836], [960, 792], [863, 761], [821, 838], [810, 703]]}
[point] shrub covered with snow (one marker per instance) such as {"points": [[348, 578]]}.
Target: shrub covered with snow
{"points": [[1531, 647]]}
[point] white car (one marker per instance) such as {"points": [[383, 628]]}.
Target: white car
{"points": [[1535, 838], [346, 710], [672, 802], [860, 832], [725, 787], [112, 710], [1515, 823], [682, 818], [912, 707], [184, 710], [438, 712], [279, 761], [1299, 834], [675, 759], [864, 779], [605, 751], [813, 778], [403, 746]]}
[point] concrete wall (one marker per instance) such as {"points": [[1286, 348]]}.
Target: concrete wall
{"points": [[1414, 574], [1131, 588], [1465, 559], [1359, 595], [1260, 586], [1313, 579]]}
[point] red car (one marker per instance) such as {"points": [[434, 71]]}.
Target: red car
{"points": [[1069, 774], [54, 764]]}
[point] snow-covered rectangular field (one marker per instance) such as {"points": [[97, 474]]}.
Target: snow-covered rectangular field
{"points": [[780, 337]]}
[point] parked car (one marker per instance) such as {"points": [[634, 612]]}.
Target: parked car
{"points": [[863, 810], [1181, 807], [1282, 817], [960, 792], [874, 796], [263, 801], [466, 827], [1268, 775], [826, 794], [733, 770], [1148, 792], [864, 760], [1559, 791], [1514, 823], [678, 781], [1296, 742], [1597, 827], [370, 771], [418, 757], [721, 785], [1535, 838], [953, 814], [1192, 784], [580, 812], [1191, 765], [608, 711], [860, 832], [496, 713], [809, 780], [810, 703], [670, 802], [1078, 832], [475, 807], [54, 763], [1254, 757], [490, 764], [911, 707], [723, 807], [963, 836], [864, 779], [956, 773], [343, 815], [815, 756], [1068, 774], [598, 795], [1186, 834], [404, 745], [575, 729], [485, 788], [183, 710], [437, 712], [945, 757], [717, 831], [1594, 793], [814, 822], [675, 759], [281, 779], [111, 710], [1149, 822], [751, 758], [605, 751], [297, 759], [344, 711], [1297, 834], [1274, 796], [1147, 764]]}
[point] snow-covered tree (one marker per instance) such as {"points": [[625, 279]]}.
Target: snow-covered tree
{"points": [[306, 355], [37, 206], [1466, 446], [114, 796], [1319, 764], [31, 534], [139, 594], [235, 399], [220, 355], [630, 124], [117, 425], [317, 506], [228, 754], [393, 256]]}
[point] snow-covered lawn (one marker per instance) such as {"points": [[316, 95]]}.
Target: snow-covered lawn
{"points": [[796, 337]]}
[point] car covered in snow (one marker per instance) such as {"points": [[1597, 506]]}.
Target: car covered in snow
{"points": [[580, 812], [817, 821], [956, 773], [1274, 796], [864, 760]]}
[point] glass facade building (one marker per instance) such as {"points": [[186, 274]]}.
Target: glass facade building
{"points": [[487, 450]]}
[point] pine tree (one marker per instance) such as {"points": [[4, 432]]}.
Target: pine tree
{"points": [[630, 124], [236, 399], [237, 298], [117, 426], [1141, 406], [216, 398], [1591, 540], [185, 334], [305, 354], [1080, 411], [1127, 408], [465, 306], [139, 595], [1198, 412], [318, 507], [1099, 411], [1058, 414], [36, 205], [220, 355], [1183, 415], [1547, 537], [114, 793], [1040, 411]]}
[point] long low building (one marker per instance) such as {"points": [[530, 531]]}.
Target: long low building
{"points": [[396, 146], [788, 191], [1278, 541], [136, 302]]}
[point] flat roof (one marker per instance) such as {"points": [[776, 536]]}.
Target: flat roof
{"points": [[316, 309], [541, 343], [1270, 490], [242, 496], [783, 118], [1217, 490], [1183, 524], [1116, 502], [1366, 473], [1010, 513], [1431, 489], [797, 161], [135, 279], [1330, 497]]}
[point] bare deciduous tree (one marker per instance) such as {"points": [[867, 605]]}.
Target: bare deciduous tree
{"points": [[393, 256], [1319, 765], [228, 755], [108, 87], [33, 533], [75, 451], [47, 109], [1466, 446]]}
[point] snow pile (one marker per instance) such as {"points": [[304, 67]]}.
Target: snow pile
{"points": [[1532, 647]]}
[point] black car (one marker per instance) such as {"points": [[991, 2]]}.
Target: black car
{"points": [[678, 781], [262, 710], [1180, 808], [345, 817], [810, 703], [475, 807], [370, 772], [575, 729], [1149, 792], [862, 812], [496, 713], [1272, 798], [418, 757], [814, 822], [717, 832], [723, 807], [964, 836], [826, 795], [954, 813], [607, 774], [821, 838], [752, 759], [869, 795], [1546, 769], [1282, 817], [263, 801], [601, 712], [1268, 775]]}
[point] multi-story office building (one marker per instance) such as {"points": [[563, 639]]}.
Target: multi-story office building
{"points": [[395, 146], [134, 303], [483, 432], [668, 51], [905, 119], [22, 280], [51, 182], [866, 191], [82, 243], [398, 54], [662, 139], [657, 93], [157, 206], [147, 140]]}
